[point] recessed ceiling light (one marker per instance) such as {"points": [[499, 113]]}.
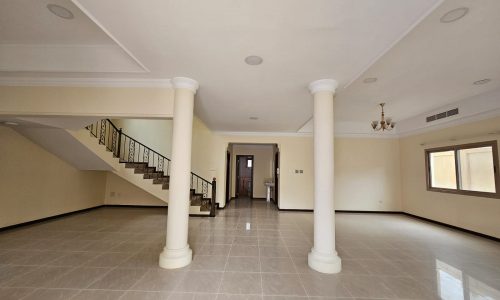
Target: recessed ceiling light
{"points": [[11, 123], [454, 15], [253, 60], [370, 80], [253, 118], [482, 81], [60, 11]]}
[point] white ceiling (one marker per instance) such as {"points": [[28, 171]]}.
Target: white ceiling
{"points": [[420, 63]]}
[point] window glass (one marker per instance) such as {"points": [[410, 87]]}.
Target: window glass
{"points": [[442, 169], [477, 171], [249, 163]]}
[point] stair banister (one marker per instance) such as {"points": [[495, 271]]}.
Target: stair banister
{"points": [[112, 138]]}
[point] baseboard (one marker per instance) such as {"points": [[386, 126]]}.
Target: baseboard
{"points": [[259, 199], [49, 218], [368, 211], [453, 227], [135, 206], [294, 209]]}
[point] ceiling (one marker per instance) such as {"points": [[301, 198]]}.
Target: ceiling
{"points": [[421, 63]]}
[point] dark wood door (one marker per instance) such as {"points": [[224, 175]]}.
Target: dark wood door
{"points": [[244, 176]]}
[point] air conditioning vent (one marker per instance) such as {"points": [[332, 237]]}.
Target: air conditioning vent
{"points": [[442, 115], [452, 112]]}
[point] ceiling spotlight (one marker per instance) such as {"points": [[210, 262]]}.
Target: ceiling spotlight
{"points": [[60, 11], [253, 60], [370, 80], [253, 118], [454, 15], [11, 123], [482, 81]]}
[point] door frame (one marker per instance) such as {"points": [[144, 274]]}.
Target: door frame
{"points": [[276, 176], [228, 176], [238, 173]]}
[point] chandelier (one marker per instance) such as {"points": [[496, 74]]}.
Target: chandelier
{"points": [[384, 124]]}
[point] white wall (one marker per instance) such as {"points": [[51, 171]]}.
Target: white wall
{"points": [[35, 184], [479, 214], [262, 167]]}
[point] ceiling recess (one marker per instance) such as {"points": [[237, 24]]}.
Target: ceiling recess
{"points": [[60, 11], [482, 81], [253, 60], [454, 15], [370, 80]]}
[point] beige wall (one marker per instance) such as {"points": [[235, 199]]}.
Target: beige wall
{"points": [[474, 213], [367, 174], [116, 102], [35, 184], [262, 168], [355, 190], [121, 192], [156, 134]]}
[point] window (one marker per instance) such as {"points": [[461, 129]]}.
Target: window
{"points": [[249, 163], [469, 169]]}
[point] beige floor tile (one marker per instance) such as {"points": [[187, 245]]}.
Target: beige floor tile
{"points": [[15, 293], [200, 281], [119, 279], [277, 265], [241, 283], [51, 294], [98, 295], [282, 284], [79, 278], [243, 264]]}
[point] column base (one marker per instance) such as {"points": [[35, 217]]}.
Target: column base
{"points": [[324, 263], [175, 258]]}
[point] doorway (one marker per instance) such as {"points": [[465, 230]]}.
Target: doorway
{"points": [[228, 176], [244, 176], [276, 176]]}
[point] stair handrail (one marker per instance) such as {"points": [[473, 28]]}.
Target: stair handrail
{"points": [[115, 141]]}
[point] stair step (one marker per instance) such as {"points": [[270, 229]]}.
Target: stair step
{"points": [[161, 180], [154, 175], [133, 165], [144, 170]]}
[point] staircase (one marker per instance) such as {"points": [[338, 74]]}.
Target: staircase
{"points": [[153, 166]]}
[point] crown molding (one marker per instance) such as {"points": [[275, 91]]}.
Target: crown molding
{"points": [[185, 83], [264, 133], [374, 135], [323, 85], [85, 82], [451, 123]]}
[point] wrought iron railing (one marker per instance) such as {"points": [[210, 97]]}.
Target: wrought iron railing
{"points": [[129, 150]]}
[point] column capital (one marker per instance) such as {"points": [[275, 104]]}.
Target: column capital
{"points": [[323, 85], [185, 83]]}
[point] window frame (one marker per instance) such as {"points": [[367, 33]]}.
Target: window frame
{"points": [[455, 149]]}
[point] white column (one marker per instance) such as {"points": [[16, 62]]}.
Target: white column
{"points": [[177, 252], [323, 257]]}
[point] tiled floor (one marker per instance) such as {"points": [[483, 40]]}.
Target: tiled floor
{"points": [[249, 251]]}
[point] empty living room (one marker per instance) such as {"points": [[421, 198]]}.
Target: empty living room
{"points": [[249, 149]]}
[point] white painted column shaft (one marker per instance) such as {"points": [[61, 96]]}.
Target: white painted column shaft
{"points": [[323, 256], [177, 252]]}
